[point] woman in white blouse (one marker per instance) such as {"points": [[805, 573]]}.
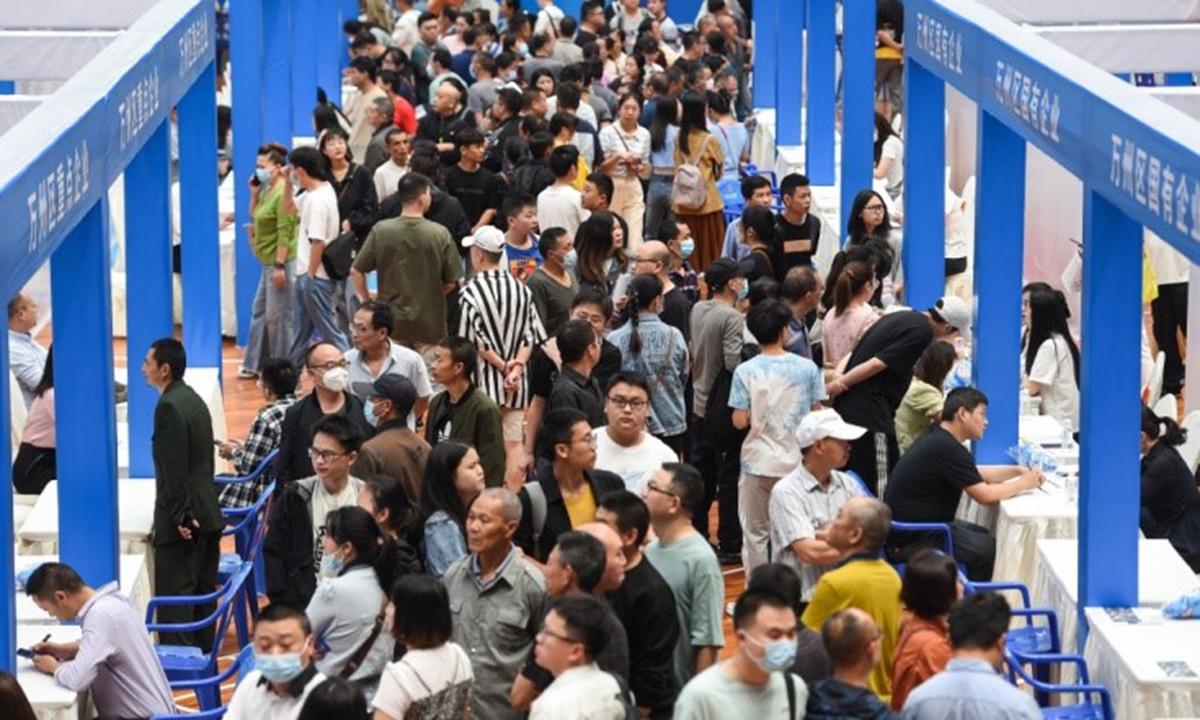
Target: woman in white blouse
{"points": [[1050, 361], [626, 148]]}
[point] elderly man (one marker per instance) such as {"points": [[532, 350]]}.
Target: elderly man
{"points": [[654, 258], [375, 354], [865, 581], [379, 116], [449, 116], [853, 641], [496, 598], [26, 358], [802, 288], [388, 174]]}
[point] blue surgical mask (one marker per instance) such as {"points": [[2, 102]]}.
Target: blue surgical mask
{"points": [[744, 291], [570, 259], [369, 413], [687, 246], [331, 565], [279, 668], [778, 655], [264, 175]]}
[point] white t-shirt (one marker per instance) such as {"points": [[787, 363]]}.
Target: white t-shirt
{"points": [[322, 504], [561, 206], [319, 220], [1054, 369], [893, 148], [635, 464], [387, 178], [581, 693], [434, 683], [252, 701]]}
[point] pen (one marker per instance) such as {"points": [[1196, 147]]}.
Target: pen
{"points": [[47, 638]]}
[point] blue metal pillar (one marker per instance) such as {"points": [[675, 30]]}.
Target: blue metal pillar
{"points": [[329, 49], [766, 67], [276, 74], [148, 284], [789, 26], [245, 41], [858, 100], [819, 140], [1110, 416], [347, 10], [88, 528], [999, 248], [8, 599], [924, 180], [304, 65], [201, 252]]}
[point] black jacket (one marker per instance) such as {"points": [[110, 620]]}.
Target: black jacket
{"points": [[835, 700], [182, 446], [288, 548], [437, 129], [557, 520], [356, 200], [296, 432], [531, 177], [493, 158]]}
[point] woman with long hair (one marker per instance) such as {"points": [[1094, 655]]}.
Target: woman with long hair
{"points": [[731, 134], [36, 463], [600, 247], [1170, 500], [923, 648], [851, 313], [758, 233], [889, 156], [385, 498], [922, 404], [626, 148], [695, 145], [659, 352], [347, 609], [664, 129], [542, 79], [1050, 366], [633, 75], [453, 479], [868, 218]]}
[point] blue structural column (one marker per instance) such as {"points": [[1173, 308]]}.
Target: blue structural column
{"points": [[201, 252], [999, 248], [347, 10], [789, 29], [148, 283], [329, 49], [8, 599], [858, 99], [83, 360], [245, 41], [822, 93], [304, 65], [766, 40], [276, 74], [1110, 415], [924, 179]]}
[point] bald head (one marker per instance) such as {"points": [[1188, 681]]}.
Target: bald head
{"points": [[614, 555], [657, 258], [851, 639]]}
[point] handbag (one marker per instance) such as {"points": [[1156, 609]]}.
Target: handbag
{"points": [[339, 256]]}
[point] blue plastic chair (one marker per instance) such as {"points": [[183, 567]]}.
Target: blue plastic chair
{"points": [[185, 662], [941, 529], [1084, 691], [214, 714], [209, 688], [269, 466], [1031, 640], [731, 191], [249, 530]]}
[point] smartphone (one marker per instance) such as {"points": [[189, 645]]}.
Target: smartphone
{"points": [[218, 443], [1077, 243], [25, 653]]}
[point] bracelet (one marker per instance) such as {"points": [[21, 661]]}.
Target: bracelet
{"points": [[280, 266]]}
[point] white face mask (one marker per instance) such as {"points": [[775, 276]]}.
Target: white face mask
{"points": [[336, 379]]}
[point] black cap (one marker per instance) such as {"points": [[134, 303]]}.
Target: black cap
{"points": [[390, 386], [722, 270]]}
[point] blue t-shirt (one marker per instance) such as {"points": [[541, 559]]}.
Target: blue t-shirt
{"points": [[778, 390], [522, 263], [733, 140]]}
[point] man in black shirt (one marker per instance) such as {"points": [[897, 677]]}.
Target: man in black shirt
{"points": [[579, 350], [476, 187], [645, 605], [878, 374], [928, 482], [796, 232]]}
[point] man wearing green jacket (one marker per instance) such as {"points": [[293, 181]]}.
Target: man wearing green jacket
{"points": [[463, 412]]}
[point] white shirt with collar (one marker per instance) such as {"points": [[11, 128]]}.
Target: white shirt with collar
{"points": [[255, 700], [799, 506], [581, 693]]}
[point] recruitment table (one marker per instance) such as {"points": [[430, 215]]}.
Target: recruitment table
{"points": [[135, 584], [50, 700], [1149, 664], [135, 499]]}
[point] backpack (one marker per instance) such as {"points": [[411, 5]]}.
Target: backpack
{"points": [[690, 191], [537, 505]]}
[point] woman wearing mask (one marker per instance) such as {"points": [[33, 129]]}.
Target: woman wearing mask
{"points": [[922, 404], [553, 285], [600, 244], [384, 497], [655, 349], [663, 132], [347, 611], [434, 678], [923, 649], [852, 313], [626, 148], [695, 145], [453, 479], [1170, 500], [1050, 358]]}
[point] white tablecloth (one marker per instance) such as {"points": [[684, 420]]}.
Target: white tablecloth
{"points": [[1022, 521], [135, 502], [134, 581], [50, 700], [1126, 658], [1162, 577]]}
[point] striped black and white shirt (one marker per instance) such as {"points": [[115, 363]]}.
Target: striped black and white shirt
{"points": [[498, 314]]}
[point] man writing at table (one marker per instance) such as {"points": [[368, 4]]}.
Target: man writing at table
{"points": [[187, 516], [114, 658]]}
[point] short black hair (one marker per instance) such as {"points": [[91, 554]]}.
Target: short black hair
{"points": [[411, 187], [567, 26], [53, 577], [557, 428], [631, 512], [791, 182], [382, 317], [603, 183], [540, 143], [334, 697], [443, 57], [930, 584], [962, 398], [515, 202], [510, 98], [310, 160], [688, 486], [668, 230], [422, 619], [341, 429], [366, 64], [631, 378], [169, 351], [585, 620], [550, 239], [469, 136], [562, 159], [279, 376], [594, 296], [585, 555], [767, 320], [462, 352], [845, 637], [753, 183], [560, 121], [425, 17], [783, 580], [751, 601], [569, 96], [280, 612], [574, 337], [978, 621]]}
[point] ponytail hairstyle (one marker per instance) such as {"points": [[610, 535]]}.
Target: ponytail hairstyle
{"points": [[853, 278], [935, 364], [643, 291], [1048, 313], [354, 525], [1162, 428], [387, 493]]}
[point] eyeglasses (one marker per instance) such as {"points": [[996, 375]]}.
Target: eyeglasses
{"points": [[874, 208], [593, 319], [589, 439], [546, 632], [624, 403], [324, 455], [331, 365], [653, 487]]}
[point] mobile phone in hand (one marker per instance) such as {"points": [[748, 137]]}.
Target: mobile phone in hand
{"points": [[25, 653]]}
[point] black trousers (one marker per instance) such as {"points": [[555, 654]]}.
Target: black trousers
{"points": [[719, 466], [873, 456], [186, 568], [1169, 311], [974, 548]]}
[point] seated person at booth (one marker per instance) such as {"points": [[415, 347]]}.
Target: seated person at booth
{"points": [[114, 658], [928, 483], [285, 674], [277, 383], [1170, 500]]}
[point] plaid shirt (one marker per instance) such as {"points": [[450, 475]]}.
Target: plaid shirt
{"points": [[685, 279], [266, 434]]}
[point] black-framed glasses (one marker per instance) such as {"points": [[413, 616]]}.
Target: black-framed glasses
{"points": [[331, 365], [324, 455], [624, 403], [653, 487], [547, 632]]}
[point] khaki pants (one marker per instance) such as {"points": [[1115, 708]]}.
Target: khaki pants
{"points": [[629, 202], [754, 496]]}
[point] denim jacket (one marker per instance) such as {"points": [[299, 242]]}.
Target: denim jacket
{"points": [[665, 365], [444, 543]]}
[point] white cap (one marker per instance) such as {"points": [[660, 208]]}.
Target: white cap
{"points": [[955, 311], [821, 424], [486, 238]]}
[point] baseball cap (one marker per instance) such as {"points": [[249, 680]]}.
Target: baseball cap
{"points": [[821, 424], [955, 311], [486, 238], [390, 386], [722, 270]]}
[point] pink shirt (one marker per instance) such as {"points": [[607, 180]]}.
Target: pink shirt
{"points": [[39, 426], [843, 331]]}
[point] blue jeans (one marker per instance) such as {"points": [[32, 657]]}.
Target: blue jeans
{"points": [[658, 203], [314, 307], [270, 321]]}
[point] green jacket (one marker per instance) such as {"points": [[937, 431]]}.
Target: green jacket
{"points": [[183, 464], [475, 420]]}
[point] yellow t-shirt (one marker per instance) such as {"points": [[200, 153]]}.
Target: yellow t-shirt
{"points": [[582, 507], [1149, 281]]}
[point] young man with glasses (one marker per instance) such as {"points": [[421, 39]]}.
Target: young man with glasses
{"points": [[623, 446], [293, 545], [573, 633]]}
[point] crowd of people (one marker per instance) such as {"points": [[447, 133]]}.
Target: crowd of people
{"points": [[510, 355]]}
